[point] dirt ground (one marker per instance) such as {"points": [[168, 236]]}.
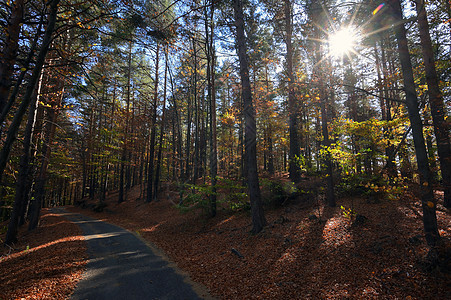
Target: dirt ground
{"points": [[307, 251]]}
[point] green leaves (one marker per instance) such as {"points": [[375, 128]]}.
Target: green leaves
{"points": [[231, 195], [348, 213]]}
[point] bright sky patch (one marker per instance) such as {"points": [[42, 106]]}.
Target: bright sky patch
{"points": [[342, 42]]}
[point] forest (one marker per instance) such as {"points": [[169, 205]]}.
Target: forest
{"points": [[229, 108]]}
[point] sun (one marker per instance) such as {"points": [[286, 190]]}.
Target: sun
{"points": [[342, 42]]}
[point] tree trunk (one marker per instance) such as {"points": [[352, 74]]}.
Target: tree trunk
{"points": [[27, 98], [270, 166], [188, 132], [386, 111], [330, 195], [212, 101], [12, 97], [160, 142], [22, 180], [149, 196], [196, 113], [406, 167], [52, 113], [427, 196], [438, 110], [122, 185], [250, 140], [294, 169], [41, 180], [8, 57]]}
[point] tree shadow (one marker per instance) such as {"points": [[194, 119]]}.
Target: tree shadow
{"points": [[41, 268]]}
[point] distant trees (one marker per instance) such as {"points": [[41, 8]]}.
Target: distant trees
{"points": [[137, 94]]}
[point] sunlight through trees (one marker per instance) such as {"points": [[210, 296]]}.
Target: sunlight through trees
{"points": [[223, 102]]}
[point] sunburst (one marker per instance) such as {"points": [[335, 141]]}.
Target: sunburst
{"points": [[343, 42]]}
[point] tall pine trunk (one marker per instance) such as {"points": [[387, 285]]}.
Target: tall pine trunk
{"points": [[330, 195], [294, 168], [28, 96], [212, 101], [8, 57], [150, 170], [250, 134], [162, 124], [123, 187], [427, 196], [438, 110], [52, 115], [22, 179]]}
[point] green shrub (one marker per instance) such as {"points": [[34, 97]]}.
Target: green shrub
{"points": [[279, 191], [230, 194], [235, 195], [371, 186], [194, 196]]}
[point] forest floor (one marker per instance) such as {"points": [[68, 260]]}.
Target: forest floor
{"points": [[307, 251], [46, 263]]}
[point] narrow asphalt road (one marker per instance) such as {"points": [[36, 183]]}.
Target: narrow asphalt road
{"points": [[122, 266]]}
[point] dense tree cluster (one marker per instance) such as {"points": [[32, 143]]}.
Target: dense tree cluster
{"points": [[99, 96]]}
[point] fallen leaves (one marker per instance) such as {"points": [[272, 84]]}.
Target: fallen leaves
{"points": [[295, 257], [46, 263], [301, 257]]}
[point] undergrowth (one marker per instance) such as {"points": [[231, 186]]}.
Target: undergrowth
{"points": [[372, 186]]}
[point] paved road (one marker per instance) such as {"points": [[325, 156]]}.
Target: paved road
{"points": [[122, 266]]}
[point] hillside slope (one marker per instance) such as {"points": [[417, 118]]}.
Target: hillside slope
{"points": [[46, 263], [306, 251]]}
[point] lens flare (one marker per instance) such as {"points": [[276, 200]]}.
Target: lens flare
{"points": [[378, 8], [342, 42]]}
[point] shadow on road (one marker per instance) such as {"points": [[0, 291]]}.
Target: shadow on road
{"points": [[122, 266]]}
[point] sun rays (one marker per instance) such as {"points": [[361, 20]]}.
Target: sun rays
{"points": [[343, 42], [347, 40]]}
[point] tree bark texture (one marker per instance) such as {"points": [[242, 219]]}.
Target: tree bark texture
{"points": [[330, 195], [294, 168], [162, 125], [13, 95], [427, 196], [212, 101], [28, 96], [250, 134], [22, 180], [149, 196], [8, 57], [438, 110], [122, 185]]}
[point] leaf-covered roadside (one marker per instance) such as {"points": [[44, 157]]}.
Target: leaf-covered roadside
{"points": [[307, 251], [46, 263]]}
